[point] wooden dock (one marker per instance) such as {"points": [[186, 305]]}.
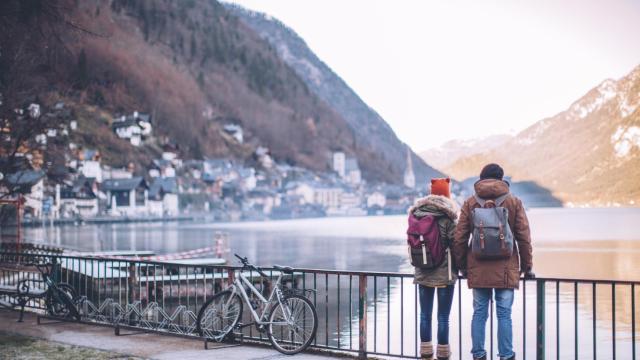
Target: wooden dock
{"points": [[171, 279]]}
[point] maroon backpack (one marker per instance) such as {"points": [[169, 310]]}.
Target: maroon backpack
{"points": [[425, 247]]}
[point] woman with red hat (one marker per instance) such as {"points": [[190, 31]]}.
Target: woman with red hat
{"points": [[441, 279]]}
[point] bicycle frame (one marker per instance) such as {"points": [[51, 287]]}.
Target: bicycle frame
{"points": [[46, 276], [238, 288]]}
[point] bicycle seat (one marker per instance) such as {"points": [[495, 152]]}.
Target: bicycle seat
{"points": [[284, 269]]}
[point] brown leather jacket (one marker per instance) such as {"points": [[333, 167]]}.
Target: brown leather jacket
{"points": [[499, 274]]}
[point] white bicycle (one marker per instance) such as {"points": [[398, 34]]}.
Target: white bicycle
{"points": [[289, 319]]}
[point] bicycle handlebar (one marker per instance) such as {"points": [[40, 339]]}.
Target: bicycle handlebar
{"points": [[246, 263], [43, 267]]}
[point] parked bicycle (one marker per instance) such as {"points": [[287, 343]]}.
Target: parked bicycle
{"points": [[60, 298], [289, 319]]}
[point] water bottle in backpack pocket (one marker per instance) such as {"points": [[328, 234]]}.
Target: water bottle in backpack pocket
{"points": [[423, 237], [492, 238]]}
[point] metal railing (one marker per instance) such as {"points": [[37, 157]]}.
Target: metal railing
{"points": [[365, 313]]}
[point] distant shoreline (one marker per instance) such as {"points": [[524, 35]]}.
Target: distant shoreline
{"points": [[110, 220]]}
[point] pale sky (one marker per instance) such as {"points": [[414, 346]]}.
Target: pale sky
{"points": [[441, 70]]}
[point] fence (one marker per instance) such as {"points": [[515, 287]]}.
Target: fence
{"points": [[366, 313]]}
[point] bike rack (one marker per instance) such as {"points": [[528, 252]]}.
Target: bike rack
{"points": [[52, 320], [118, 332], [232, 335]]}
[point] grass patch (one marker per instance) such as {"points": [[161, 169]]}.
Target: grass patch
{"points": [[23, 347]]}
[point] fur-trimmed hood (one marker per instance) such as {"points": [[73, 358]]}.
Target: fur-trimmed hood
{"points": [[439, 203]]}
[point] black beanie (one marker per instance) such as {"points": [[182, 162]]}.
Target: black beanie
{"points": [[492, 171]]}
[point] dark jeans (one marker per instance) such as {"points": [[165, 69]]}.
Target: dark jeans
{"points": [[445, 299]]}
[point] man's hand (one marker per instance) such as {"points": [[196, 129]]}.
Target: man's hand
{"points": [[528, 274]]}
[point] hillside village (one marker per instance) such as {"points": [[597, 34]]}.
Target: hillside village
{"points": [[226, 189]]}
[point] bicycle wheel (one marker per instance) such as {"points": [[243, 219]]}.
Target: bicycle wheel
{"points": [[293, 336], [218, 316], [60, 301]]}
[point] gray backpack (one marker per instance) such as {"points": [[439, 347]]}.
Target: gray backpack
{"points": [[492, 238]]}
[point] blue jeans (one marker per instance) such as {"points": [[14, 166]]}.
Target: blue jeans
{"points": [[445, 299], [504, 300]]}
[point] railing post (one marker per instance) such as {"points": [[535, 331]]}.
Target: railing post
{"points": [[540, 319], [230, 276], [362, 316], [132, 281], [56, 270]]}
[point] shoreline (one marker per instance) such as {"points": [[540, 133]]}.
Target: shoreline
{"points": [[111, 220]]}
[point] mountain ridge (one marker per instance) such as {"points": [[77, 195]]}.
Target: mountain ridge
{"points": [[588, 154], [371, 130]]}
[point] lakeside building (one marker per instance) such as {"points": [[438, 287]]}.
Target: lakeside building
{"points": [[30, 185], [327, 196], [163, 197], [127, 197], [89, 164], [346, 167], [353, 175], [376, 198], [304, 193], [261, 201], [339, 163], [162, 168], [80, 198], [116, 173]]}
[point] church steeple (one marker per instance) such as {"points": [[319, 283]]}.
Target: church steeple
{"points": [[409, 177]]}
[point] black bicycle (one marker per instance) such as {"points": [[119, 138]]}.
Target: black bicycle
{"points": [[60, 298], [289, 319]]}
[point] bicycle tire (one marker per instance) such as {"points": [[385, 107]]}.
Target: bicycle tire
{"points": [[62, 304], [304, 343], [68, 289], [206, 312], [55, 307]]}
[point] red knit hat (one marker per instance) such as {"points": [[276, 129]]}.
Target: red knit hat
{"points": [[441, 187]]}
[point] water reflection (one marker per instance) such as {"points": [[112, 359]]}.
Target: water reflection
{"points": [[567, 242]]}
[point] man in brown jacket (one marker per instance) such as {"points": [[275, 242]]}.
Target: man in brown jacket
{"points": [[493, 276]]}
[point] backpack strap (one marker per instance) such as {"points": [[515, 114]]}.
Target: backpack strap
{"points": [[498, 201], [480, 200]]}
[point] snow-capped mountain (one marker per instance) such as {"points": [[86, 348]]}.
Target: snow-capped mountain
{"points": [[588, 154], [447, 153]]}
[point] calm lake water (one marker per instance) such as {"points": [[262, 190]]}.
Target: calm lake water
{"points": [[568, 243]]}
